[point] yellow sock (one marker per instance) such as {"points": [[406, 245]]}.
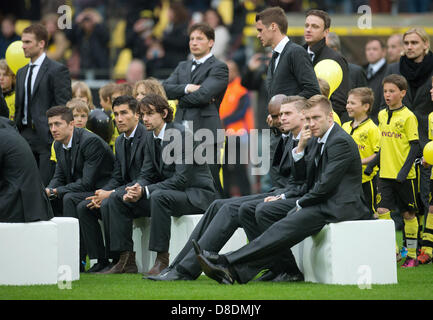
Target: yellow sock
{"points": [[387, 216], [411, 232], [427, 239]]}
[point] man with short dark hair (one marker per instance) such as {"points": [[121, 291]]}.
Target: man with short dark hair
{"points": [[84, 163], [166, 186], [128, 161], [290, 71], [375, 52], [199, 86], [41, 84], [317, 24]]}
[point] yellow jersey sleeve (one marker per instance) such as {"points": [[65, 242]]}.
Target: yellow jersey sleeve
{"points": [[411, 128]]}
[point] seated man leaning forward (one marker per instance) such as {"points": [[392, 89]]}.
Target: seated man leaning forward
{"points": [[334, 194], [166, 186]]}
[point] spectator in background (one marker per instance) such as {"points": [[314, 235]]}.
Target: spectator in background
{"points": [[173, 47], [90, 37], [356, 73], [8, 34], [317, 24], [151, 85], [7, 83], [136, 71], [82, 91], [222, 35], [394, 48], [375, 52], [237, 117], [57, 41]]}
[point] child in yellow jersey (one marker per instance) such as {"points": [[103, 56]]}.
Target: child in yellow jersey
{"points": [[366, 135], [399, 147], [426, 253]]}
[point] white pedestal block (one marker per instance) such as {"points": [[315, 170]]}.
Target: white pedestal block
{"points": [[352, 252], [68, 246], [28, 253]]}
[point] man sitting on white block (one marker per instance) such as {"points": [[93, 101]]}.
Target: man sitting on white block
{"points": [[22, 196], [333, 168]]}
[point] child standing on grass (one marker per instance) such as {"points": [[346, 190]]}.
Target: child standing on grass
{"points": [[367, 136], [425, 255], [399, 147]]}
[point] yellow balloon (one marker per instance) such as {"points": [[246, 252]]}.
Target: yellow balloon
{"points": [[428, 153], [330, 71], [15, 57]]}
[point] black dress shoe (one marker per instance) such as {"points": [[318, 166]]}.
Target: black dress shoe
{"points": [[267, 276], [285, 277], [219, 273], [107, 267], [171, 275], [97, 267]]}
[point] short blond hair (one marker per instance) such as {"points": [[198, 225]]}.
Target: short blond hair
{"points": [[76, 104], [83, 88], [321, 100], [365, 94], [421, 33]]}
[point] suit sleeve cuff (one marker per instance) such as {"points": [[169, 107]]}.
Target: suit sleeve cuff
{"points": [[297, 156]]}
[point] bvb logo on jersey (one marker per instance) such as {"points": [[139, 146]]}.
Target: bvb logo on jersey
{"points": [[363, 136], [378, 198], [399, 125]]}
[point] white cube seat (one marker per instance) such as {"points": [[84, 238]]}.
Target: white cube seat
{"points": [[351, 252]]}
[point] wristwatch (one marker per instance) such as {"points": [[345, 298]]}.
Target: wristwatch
{"points": [[52, 194]]}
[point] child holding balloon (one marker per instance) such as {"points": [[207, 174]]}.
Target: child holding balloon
{"points": [[399, 147], [366, 135], [425, 255]]}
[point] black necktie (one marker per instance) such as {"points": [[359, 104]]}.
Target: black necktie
{"points": [[128, 143], [68, 158], [369, 72], [275, 55], [195, 66], [295, 143], [318, 153], [29, 94], [158, 148], [311, 56]]}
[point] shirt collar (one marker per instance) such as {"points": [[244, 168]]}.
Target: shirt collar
{"points": [[325, 136], [280, 46], [131, 135], [69, 146], [39, 60], [203, 59], [376, 66], [161, 133]]}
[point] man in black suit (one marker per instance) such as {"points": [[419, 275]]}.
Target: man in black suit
{"points": [[84, 163], [170, 183], [199, 86], [40, 85], [375, 52], [290, 70], [334, 194], [127, 165], [222, 218], [22, 196], [317, 24]]}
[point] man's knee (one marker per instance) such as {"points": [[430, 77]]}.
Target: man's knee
{"points": [[246, 212]]}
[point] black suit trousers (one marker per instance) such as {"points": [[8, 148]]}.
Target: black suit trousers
{"points": [[267, 251], [215, 228]]}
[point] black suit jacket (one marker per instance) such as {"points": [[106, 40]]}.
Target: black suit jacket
{"points": [[201, 106], [22, 193], [375, 83], [194, 179], [339, 97], [125, 173], [294, 74], [91, 164], [52, 87], [357, 76], [336, 185]]}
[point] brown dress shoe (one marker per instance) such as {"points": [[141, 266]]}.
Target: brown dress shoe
{"points": [[161, 262], [126, 264]]}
